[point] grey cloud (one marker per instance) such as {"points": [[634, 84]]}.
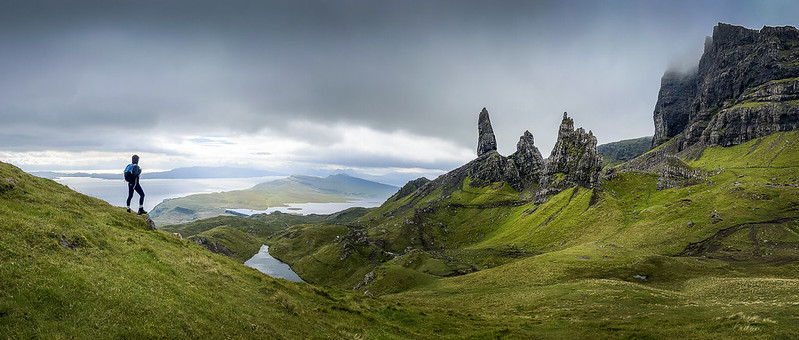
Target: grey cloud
{"points": [[104, 68]]}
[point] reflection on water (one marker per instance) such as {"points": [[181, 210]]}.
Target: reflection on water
{"points": [[271, 266]]}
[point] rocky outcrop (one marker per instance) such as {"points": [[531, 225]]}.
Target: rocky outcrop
{"points": [[574, 161], [486, 142], [676, 96], [484, 170], [745, 87], [211, 245], [528, 161], [7, 184]]}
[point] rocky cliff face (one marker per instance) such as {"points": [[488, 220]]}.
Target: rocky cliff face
{"points": [[745, 87], [574, 161], [676, 96]]}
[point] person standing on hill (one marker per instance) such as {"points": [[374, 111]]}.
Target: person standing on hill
{"points": [[132, 172]]}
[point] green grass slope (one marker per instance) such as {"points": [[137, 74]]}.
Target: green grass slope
{"points": [[717, 259], [615, 153], [229, 241], [715, 256], [72, 266]]}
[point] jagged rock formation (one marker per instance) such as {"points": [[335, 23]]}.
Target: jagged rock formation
{"points": [[486, 142], [746, 86], [574, 161]]}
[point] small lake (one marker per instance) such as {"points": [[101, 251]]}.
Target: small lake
{"points": [[271, 266]]}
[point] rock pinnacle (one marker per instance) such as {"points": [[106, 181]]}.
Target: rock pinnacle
{"points": [[486, 141]]}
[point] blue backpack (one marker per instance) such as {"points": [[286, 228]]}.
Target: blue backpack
{"points": [[131, 172]]}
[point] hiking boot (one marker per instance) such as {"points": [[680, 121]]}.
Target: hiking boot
{"points": [[128, 209], [141, 211]]}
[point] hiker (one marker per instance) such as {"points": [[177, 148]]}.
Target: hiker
{"points": [[132, 172]]}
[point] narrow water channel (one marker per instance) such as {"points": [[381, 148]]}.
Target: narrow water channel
{"points": [[271, 266]]}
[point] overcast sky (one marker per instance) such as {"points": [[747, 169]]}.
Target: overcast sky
{"points": [[376, 86]]}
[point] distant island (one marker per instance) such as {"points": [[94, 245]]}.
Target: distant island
{"points": [[193, 172], [277, 193]]}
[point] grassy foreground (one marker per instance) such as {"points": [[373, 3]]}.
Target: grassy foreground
{"points": [[714, 257], [72, 266]]}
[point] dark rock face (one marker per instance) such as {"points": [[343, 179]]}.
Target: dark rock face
{"points": [[486, 142], [528, 161], [211, 245], [676, 96], [7, 184], [745, 88], [767, 109], [574, 161], [150, 223]]}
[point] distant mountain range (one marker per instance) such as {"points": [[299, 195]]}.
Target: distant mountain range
{"points": [[183, 173]]}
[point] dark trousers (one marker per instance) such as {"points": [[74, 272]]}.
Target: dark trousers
{"points": [[135, 186]]}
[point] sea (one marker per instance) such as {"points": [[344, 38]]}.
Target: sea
{"points": [[156, 190]]}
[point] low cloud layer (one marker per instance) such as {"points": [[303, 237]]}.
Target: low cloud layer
{"points": [[390, 84]]}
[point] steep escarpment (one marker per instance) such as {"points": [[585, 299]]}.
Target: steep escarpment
{"points": [[745, 86], [676, 96]]}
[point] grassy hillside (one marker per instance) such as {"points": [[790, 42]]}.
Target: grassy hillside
{"points": [[714, 257], [72, 266], [619, 152], [241, 237], [277, 193]]}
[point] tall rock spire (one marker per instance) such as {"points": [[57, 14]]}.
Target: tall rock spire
{"points": [[486, 141]]}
